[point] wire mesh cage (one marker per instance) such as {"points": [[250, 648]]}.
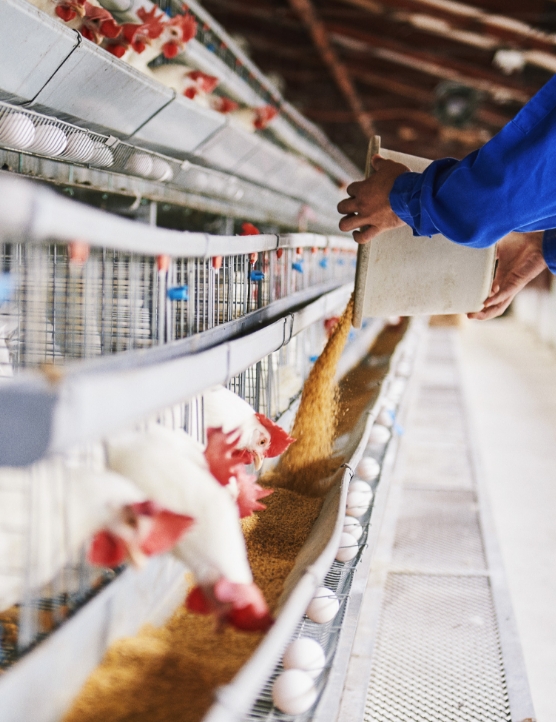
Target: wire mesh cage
{"points": [[71, 301], [45, 573]]}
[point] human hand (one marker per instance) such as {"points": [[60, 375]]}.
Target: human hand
{"points": [[368, 208], [520, 260]]}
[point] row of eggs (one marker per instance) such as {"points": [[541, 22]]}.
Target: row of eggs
{"points": [[17, 130], [294, 691]]}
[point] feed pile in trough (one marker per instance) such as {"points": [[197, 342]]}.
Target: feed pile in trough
{"points": [[170, 673], [308, 462]]}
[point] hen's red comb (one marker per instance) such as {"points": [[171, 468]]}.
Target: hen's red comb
{"points": [[186, 24], [248, 229], [241, 605], [224, 105], [279, 439], [249, 494], [264, 115], [107, 550], [249, 610], [206, 83], [219, 454]]}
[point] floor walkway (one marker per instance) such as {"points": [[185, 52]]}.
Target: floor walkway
{"points": [[510, 380]]}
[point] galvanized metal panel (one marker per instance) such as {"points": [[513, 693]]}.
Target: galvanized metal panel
{"points": [[95, 87], [261, 165], [59, 666], [32, 47], [438, 530], [438, 653], [228, 147], [180, 127]]}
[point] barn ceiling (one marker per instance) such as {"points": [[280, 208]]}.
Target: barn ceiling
{"points": [[401, 68]]}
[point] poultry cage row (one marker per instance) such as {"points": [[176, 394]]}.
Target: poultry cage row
{"points": [[65, 301], [71, 300], [109, 324], [270, 385]]}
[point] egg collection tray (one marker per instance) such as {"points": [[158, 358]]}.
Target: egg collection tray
{"points": [[249, 696]]}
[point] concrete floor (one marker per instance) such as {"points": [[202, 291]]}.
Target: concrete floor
{"points": [[510, 379]]}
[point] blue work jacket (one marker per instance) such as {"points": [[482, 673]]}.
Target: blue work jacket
{"points": [[507, 185]]}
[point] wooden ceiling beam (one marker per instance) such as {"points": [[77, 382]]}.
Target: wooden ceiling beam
{"points": [[466, 17], [500, 89], [421, 95], [319, 34]]}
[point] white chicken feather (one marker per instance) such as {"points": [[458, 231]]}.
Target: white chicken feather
{"points": [[169, 466], [64, 511]]}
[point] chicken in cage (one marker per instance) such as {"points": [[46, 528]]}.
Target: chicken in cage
{"points": [[70, 523], [72, 301]]}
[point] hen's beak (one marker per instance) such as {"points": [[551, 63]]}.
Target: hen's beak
{"points": [[136, 557], [257, 460]]}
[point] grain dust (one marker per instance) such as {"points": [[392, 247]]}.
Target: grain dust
{"points": [[169, 674], [307, 463]]}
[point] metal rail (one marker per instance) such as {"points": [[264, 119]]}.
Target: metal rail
{"points": [[91, 400]]}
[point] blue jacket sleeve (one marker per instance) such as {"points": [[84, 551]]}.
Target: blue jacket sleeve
{"points": [[549, 249], [507, 185]]}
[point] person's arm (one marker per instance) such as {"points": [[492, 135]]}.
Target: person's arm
{"points": [[505, 186], [520, 260]]}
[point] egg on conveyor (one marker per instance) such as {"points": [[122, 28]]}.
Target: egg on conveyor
{"points": [[305, 654], [362, 488], [357, 503], [379, 434], [368, 468], [102, 155], [324, 606], [49, 140], [17, 130], [140, 164], [293, 692], [385, 417], [353, 527], [80, 147], [403, 369], [161, 170], [396, 389], [347, 547]]}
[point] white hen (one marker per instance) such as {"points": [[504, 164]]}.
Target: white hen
{"points": [[259, 436], [47, 515], [170, 467]]}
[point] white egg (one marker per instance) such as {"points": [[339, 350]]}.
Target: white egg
{"points": [[347, 547], [368, 468], [140, 163], [353, 527], [161, 171], [397, 387], [385, 418], [305, 654], [293, 692], [102, 155], [49, 140], [80, 147], [357, 503], [17, 130], [324, 606], [379, 434], [403, 369], [362, 487]]}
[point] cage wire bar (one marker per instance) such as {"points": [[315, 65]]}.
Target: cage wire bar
{"points": [[71, 300], [39, 496], [338, 580], [36, 134], [75, 300]]}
